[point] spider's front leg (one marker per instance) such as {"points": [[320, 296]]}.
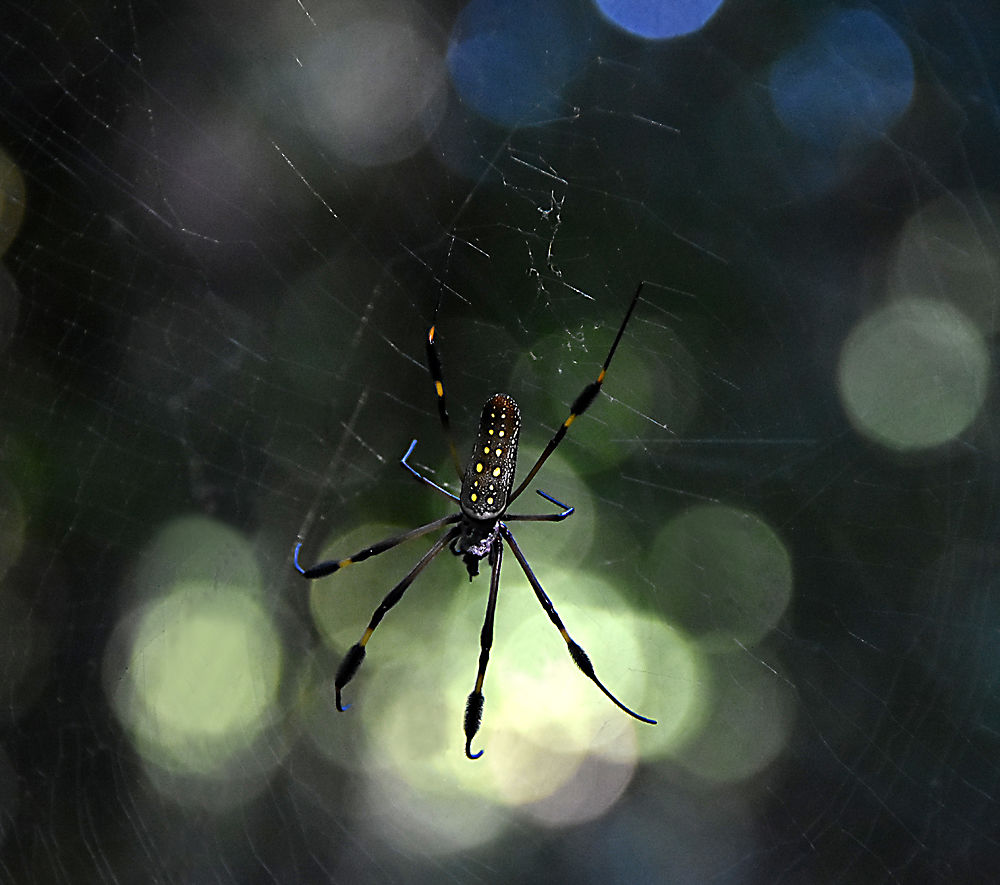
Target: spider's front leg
{"points": [[322, 569]]}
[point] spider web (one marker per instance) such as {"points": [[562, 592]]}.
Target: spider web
{"points": [[213, 317]]}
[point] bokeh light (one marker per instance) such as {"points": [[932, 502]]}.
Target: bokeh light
{"points": [[511, 61], [430, 819], [202, 678], [653, 374], [193, 549], [729, 574], [947, 251], [193, 672], [373, 89], [846, 83], [748, 718], [914, 374], [659, 19]]}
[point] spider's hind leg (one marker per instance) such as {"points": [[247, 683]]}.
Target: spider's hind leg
{"points": [[474, 705], [579, 656], [345, 672], [356, 654]]}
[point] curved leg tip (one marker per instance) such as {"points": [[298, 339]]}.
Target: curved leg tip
{"points": [[295, 559], [473, 717]]}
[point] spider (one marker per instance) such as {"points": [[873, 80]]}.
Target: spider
{"points": [[479, 529]]}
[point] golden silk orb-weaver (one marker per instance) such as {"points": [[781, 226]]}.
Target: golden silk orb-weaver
{"points": [[479, 529]]}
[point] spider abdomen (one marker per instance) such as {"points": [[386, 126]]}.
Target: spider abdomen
{"points": [[489, 473]]}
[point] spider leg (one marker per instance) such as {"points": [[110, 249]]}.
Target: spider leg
{"points": [[356, 653], [437, 376], [543, 517], [579, 656], [421, 477], [322, 569], [474, 705], [581, 403]]}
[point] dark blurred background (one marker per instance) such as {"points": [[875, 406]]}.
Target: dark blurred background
{"points": [[225, 229]]}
